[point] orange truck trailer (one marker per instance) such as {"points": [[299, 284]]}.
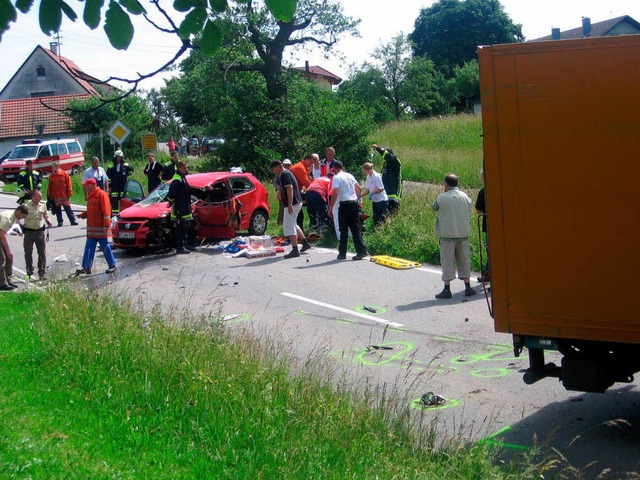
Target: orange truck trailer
{"points": [[561, 132]]}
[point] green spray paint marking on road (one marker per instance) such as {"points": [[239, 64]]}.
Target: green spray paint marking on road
{"points": [[447, 338], [490, 440], [236, 318], [345, 320], [416, 404], [489, 372], [381, 351], [300, 312], [491, 356]]}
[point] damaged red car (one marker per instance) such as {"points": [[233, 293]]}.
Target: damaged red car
{"points": [[223, 204]]}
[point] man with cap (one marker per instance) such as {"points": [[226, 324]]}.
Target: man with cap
{"points": [[7, 219], [33, 229], [28, 181], [118, 174], [98, 217]]}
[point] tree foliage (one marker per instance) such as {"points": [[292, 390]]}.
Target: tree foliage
{"points": [[393, 58], [428, 92], [449, 31], [366, 86], [132, 111]]}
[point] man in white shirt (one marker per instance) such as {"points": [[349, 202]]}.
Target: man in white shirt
{"points": [[7, 219], [375, 188], [97, 172], [346, 193]]}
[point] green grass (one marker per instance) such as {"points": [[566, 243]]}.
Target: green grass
{"points": [[90, 390], [431, 148]]}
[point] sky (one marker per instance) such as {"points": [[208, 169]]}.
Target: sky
{"points": [[380, 21]]}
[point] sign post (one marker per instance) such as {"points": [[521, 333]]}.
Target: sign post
{"points": [[149, 142]]}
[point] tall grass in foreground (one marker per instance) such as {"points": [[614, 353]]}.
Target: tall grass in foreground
{"points": [[90, 390], [430, 148]]}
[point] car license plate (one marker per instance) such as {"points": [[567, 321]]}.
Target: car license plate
{"points": [[127, 235]]}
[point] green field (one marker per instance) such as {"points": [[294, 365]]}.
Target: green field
{"points": [[90, 390]]}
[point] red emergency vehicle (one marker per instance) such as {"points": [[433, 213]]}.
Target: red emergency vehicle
{"points": [[44, 153]]}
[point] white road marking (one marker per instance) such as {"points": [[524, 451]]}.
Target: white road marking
{"points": [[343, 310], [430, 270]]}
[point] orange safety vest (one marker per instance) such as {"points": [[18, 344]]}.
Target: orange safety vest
{"points": [[59, 189], [98, 214]]}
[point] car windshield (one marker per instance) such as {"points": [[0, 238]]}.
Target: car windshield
{"points": [[23, 151], [157, 196]]}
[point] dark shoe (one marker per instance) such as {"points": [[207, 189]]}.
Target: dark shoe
{"points": [[111, 269], [59, 224], [305, 246], [6, 288], [182, 251], [74, 223], [83, 271], [292, 254], [12, 285], [359, 256], [468, 292], [444, 294], [191, 248], [341, 257], [484, 279]]}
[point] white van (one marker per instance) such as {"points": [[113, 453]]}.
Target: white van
{"points": [[67, 152]]}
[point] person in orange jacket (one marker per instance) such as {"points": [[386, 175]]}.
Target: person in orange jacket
{"points": [[98, 217], [301, 171], [60, 191]]}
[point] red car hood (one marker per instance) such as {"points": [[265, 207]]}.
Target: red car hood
{"points": [[148, 212]]}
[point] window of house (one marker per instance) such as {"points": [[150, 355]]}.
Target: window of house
{"points": [[40, 71]]}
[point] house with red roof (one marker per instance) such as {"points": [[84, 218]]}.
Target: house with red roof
{"points": [[45, 79], [319, 75]]}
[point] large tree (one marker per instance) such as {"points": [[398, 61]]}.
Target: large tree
{"points": [[449, 31], [316, 22]]}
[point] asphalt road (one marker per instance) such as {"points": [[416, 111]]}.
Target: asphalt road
{"points": [[378, 328]]}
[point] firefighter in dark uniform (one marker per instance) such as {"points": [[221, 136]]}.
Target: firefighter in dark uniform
{"points": [[28, 181], [180, 199], [118, 174], [391, 177], [169, 170]]}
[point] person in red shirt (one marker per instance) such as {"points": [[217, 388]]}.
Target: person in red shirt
{"points": [[301, 171], [60, 191], [318, 195], [98, 217]]}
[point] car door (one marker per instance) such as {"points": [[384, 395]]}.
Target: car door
{"points": [[243, 190], [212, 211], [133, 193]]}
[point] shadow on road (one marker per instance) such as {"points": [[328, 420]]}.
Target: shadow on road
{"points": [[595, 433]]}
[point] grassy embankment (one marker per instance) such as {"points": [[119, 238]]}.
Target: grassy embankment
{"points": [[428, 149], [90, 390]]}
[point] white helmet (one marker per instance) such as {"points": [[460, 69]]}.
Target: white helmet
{"points": [[118, 153]]}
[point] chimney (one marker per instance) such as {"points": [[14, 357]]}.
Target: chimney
{"points": [[306, 66], [555, 33], [53, 46], [586, 26]]}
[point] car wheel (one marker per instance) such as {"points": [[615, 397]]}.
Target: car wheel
{"points": [[258, 225], [75, 169]]}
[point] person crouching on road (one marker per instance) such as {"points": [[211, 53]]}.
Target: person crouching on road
{"points": [[7, 219], [292, 204], [33, 228], [180, 198], [98, 217], [452, 226], [60, 191]]}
